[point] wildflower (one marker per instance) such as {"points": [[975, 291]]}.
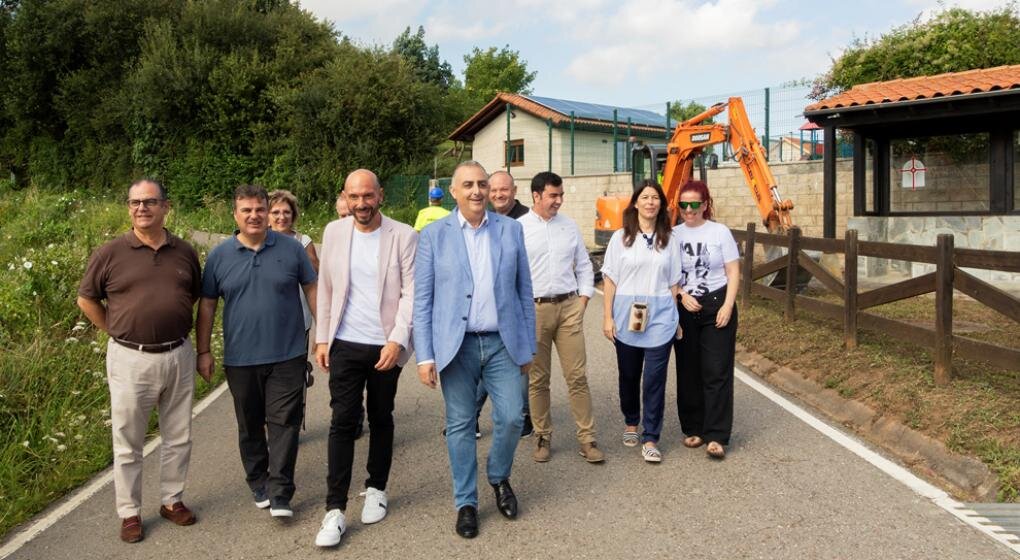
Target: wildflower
{"points": [[54, 263], [52, 439], [59, 434], [107, 422], [24, 444], [70, 340], [27, 265], [51, 245], [97, 350], [77, 437], [61, 447], [11, 266], [81, 417], [76, 392]]}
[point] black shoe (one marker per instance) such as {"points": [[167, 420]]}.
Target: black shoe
{"points": [[280, 507], [528, 428], [467, 522], [506, 501]]}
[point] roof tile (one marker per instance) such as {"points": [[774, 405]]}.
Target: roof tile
{"points": [[924, 87]]}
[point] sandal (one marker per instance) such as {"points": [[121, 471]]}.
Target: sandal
{"points": [[716, 450], [693, 442], [651, 454], [631, 439]]}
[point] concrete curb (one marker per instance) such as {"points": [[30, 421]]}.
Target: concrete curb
{"points": [[963, 476]]}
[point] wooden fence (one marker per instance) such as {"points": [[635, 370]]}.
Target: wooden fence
{"points": [[947, 277]]}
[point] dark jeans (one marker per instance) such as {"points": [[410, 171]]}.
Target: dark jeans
{"points": [[351, 373], [704, 371], [268, 399], [651, 395]]}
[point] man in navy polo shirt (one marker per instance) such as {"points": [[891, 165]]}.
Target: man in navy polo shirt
{"points": [[258, 274]]}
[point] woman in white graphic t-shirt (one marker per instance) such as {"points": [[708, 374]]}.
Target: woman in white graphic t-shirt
{"points": [[704, 356]]}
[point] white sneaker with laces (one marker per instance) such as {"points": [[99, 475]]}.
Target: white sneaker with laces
{"points": [[333, 527], [374, 509]]}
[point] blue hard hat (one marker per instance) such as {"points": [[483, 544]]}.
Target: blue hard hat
{"points": [[436, 193]]}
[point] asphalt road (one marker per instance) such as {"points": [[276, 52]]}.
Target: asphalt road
{"points": [[784, 491]]}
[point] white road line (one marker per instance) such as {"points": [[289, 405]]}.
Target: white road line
{"points": [[904, 476], [89, 490], [939, 497]]}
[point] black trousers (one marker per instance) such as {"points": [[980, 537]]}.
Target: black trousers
{"points": [[351, 373], [704, 370], [269, 399]]}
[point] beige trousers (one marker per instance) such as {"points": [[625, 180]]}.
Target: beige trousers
{"points": [[138, 382], [561, 324]]}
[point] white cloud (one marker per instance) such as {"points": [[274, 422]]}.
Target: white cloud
{"points": [[372, 21], [652, 36], [442, 28]]}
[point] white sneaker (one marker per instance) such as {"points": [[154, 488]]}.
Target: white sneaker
{"points": [[375, 506], [333, 527]]}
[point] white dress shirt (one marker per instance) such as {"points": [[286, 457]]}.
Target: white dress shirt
{"points": [[557, 256], [482, 316]]}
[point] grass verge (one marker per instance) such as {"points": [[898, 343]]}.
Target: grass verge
{"points": [[977, 414]]}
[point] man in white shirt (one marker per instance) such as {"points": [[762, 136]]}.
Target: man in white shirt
{"points": [[363, 338], [563, 282]]}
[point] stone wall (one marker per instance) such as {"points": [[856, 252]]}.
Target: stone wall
{"points": [[999, 233]]}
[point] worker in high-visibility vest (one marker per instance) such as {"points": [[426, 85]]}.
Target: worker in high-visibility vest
{"points": [[434, 211]]}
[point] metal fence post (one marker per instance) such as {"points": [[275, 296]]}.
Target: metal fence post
{"points": [[669, 121], [767, 134], [615, 157], [550, 126], [506, 154], [629, 147], [747, 266], [571, 143]]}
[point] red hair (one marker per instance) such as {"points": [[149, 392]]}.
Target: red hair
{"points": [[702, 190]]}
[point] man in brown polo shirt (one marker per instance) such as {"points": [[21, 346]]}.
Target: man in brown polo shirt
{"points": [[150, 281]]}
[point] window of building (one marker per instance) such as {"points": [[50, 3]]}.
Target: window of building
{"points": [[936, 174], [514, 153]]}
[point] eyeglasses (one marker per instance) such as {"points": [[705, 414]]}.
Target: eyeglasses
{"points": [[694, 205], [147, 202]]}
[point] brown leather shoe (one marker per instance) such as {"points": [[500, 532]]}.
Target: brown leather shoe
{"points": [[178, 513], [131, 529], [592, 453], [542, 451]]}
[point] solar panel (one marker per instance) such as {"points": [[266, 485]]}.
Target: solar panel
{"points": [[601, 112]]}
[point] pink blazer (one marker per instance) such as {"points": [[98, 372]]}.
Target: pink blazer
{"points": [[397, 245]]}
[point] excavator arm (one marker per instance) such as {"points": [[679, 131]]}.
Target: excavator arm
{"points": [[689, 139]]}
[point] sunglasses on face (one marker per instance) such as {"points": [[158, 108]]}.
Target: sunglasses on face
{"points": [[690, 205]]}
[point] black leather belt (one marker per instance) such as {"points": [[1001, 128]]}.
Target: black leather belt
{"points": [[555, 299], [157, 348]]}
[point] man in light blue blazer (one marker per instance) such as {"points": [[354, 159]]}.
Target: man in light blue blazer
{"points": [[474, 324]]}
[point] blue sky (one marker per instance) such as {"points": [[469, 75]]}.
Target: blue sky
{"points": [[639, 53]]}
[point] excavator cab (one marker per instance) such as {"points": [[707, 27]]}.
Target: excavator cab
{"points": [[647, 161]]}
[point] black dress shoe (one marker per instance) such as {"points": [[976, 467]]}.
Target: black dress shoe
{"points": [[467, 522], [506, 501]]}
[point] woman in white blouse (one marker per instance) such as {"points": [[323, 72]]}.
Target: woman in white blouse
{"points": [[641, 277]]}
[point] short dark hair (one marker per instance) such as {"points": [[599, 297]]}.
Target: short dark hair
{"points": [[162, 190], [251, 191], [545, 179]]}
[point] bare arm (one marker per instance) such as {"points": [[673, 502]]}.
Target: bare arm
{"points": [[722, 318], [313, 256], [95, 311], [203, 336], [310, 290], [609, 293]]}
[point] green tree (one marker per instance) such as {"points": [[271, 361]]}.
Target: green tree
{"points": [[952, 41], [491, 71], [679, 111], [428, 66]]}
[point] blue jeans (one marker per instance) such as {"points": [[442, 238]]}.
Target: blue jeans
{"points": [[481, 361], [483, 395], [650, 395]]}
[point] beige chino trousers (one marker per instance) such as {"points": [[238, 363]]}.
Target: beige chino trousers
{"points": [[138, 382], [561, 324]]}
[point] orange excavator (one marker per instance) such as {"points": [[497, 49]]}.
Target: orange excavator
{"points": [[689, 140]]}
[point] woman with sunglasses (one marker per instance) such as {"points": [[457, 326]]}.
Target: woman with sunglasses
{"points": [[641, 278], [704, 356]]}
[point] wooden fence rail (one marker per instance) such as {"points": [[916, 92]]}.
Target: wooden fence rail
{"points": [[947, 277]]}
